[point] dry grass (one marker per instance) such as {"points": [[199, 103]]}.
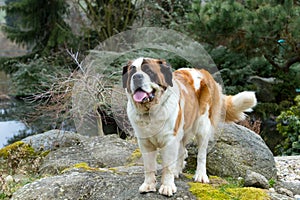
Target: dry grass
{"points": [[254, 125]]}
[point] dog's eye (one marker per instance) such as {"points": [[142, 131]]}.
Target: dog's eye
{"points": [[149, 71], [132, 67]]}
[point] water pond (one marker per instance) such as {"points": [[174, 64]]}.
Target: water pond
{"points": [[10, 123]]}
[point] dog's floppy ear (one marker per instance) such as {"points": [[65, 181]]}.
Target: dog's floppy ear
{"points": [[125, 76], [166, 70]]}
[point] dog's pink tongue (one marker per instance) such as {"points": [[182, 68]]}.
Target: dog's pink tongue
{"points": [[139, 96]]}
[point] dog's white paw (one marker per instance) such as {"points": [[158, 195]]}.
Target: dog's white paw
{"points": [[168, 190], [145, 187], [201, 177]]}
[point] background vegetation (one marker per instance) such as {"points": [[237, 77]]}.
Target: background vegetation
{"points": [[255, 44]]}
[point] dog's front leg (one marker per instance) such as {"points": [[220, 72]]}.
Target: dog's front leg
{"points": [[149, 153], [169, 155]]}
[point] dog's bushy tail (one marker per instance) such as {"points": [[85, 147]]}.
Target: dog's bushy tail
{"points": [[236, 105]]}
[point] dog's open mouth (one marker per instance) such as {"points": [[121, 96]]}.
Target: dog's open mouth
{"points": [[140, 96]]}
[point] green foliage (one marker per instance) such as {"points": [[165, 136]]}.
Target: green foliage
{"points": [[107, 18], [289, 126], [41, 25], [34, 77], [38, 24], [166, 13], [272, 182], [253, 28], [235, 69], [217, 22], [252, 38]]}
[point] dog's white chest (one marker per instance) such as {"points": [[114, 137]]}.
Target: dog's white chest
{"points": [[152, 124]]}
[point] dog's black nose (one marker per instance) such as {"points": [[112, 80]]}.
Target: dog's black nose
{"points": [[137, 77]]}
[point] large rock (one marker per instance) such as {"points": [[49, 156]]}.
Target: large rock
{"points": [[236, 149], [101, 152], [53, 139], [90, 168], [109, 167], [121, 183]]}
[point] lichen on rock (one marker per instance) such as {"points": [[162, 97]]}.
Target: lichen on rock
{"points": [[135, 157]]}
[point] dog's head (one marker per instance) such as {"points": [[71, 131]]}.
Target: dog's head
{"points": [[145, 80]]}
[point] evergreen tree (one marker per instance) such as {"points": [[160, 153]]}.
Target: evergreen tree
{"points": [[37, 23], [249, 31], [267, 28]]}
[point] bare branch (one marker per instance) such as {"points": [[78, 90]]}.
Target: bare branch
{"points": [[290, 62], [272, 62], [75, 58]]}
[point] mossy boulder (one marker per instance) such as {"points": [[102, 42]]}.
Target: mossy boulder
{"points": [[53, 139], [17, 149], [110, 168], [234, 150], [237, 149], [97, 152], [19, 165], [94, 185], [20, 156]]}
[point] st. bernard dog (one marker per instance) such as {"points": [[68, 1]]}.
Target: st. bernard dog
{"points": [[166, 109]]}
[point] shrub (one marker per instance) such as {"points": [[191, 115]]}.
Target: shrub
{"points": [[34, 76], [289, 126]]}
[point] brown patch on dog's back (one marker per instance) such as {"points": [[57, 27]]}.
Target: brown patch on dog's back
{"points": [[198, 100], [204, 97], [191, 105], [184, 77], [210, 95], [178, 120]]}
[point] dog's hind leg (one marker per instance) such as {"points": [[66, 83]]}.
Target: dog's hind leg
{"points": [[203, 135]]}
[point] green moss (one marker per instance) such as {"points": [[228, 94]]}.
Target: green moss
{"points": [[135, 156], [219, 188], [45, 153], [85, 166], [207, 192], [188, 175], [20, 158], [17, 147], [81, 165], [247, 193]]}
